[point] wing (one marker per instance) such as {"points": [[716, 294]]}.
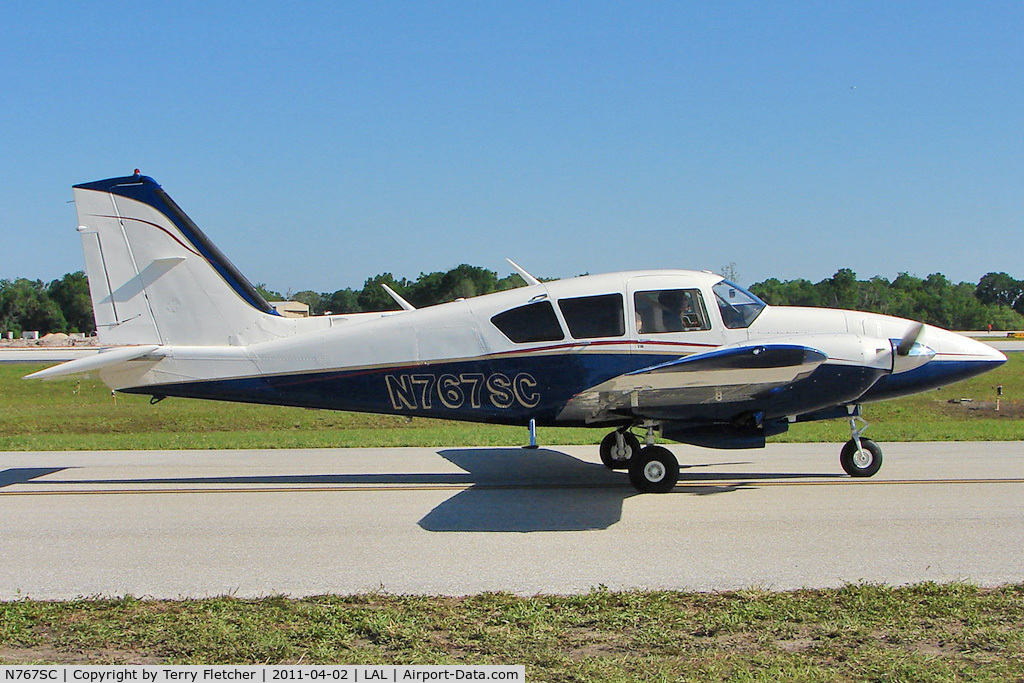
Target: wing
{"points": [[723, 377]]}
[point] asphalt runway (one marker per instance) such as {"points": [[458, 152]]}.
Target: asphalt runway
{"points": [[455, 521]]}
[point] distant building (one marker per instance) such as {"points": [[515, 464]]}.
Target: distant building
{"points": [[291, 309]]}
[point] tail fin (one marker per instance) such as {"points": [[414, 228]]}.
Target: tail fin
{"points": [[155, 278]]}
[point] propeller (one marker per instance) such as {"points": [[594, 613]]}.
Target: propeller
{"points": [[908, 352], [909, 339]]}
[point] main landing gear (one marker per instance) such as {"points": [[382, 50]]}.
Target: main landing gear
{"points": [[860, 457], [618, 448], [652, 469]]}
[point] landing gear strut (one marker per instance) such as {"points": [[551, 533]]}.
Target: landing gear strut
{"points": [[619, 448], [860, 457]]}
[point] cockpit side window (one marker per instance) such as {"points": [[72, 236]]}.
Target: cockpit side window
{"points": [[594, 316], [738, 306], [530, 323], [670, 310]]}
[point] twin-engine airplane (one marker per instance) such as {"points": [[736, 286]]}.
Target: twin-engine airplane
{"points": [[686, 352]]}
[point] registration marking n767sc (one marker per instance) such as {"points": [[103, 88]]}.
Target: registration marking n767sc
{"points": [[423, 391]]}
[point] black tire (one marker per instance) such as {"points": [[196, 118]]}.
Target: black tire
{"points": [[632, 446], [654, 470], [857, 465]]}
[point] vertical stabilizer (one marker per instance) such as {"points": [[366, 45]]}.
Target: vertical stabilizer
{"points": [[155, 278]]}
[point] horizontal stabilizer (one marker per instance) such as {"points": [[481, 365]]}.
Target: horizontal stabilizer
{"points": [[100, 360]]}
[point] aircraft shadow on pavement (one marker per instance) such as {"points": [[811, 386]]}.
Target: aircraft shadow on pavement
{"points": [[23, 475], [522, 490], [517, 490]]}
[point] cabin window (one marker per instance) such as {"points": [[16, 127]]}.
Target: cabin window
{"points": [[670, 310], [594, 316], [530, 323], [738, 306]]}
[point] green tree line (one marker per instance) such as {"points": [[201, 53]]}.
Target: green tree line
{"points": [[60, 306], [997, 299], [461, 282]]}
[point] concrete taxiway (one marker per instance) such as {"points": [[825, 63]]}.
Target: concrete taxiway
{"points": [[462, 520]]}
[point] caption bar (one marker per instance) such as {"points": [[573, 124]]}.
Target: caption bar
{"points": [[156, 673]]}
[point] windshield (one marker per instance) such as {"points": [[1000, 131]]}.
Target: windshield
{"points": [[738, 306]]}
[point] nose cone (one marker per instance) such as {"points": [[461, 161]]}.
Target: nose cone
{"points": [[956, 358], [951, 347]]}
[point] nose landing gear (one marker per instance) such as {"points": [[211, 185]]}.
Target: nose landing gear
{"points": [[860, 457]]}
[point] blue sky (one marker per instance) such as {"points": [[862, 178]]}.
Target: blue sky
{"points": [[319, 144]]}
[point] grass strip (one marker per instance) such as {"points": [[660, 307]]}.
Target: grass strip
{"points": [[923, 632], [66, 414]]}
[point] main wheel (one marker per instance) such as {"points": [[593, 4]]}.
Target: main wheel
{"points": [[615, 458], [654, 470], [862, 463]]}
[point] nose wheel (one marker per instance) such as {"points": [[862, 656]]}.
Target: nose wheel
{"points": [[860, 457], [654, 470], [861, 460]]}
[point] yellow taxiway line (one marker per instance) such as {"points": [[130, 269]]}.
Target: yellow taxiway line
{"points": [[681, 487]]}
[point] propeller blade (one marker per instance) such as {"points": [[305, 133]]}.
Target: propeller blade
{"points": [[908, 340]]}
